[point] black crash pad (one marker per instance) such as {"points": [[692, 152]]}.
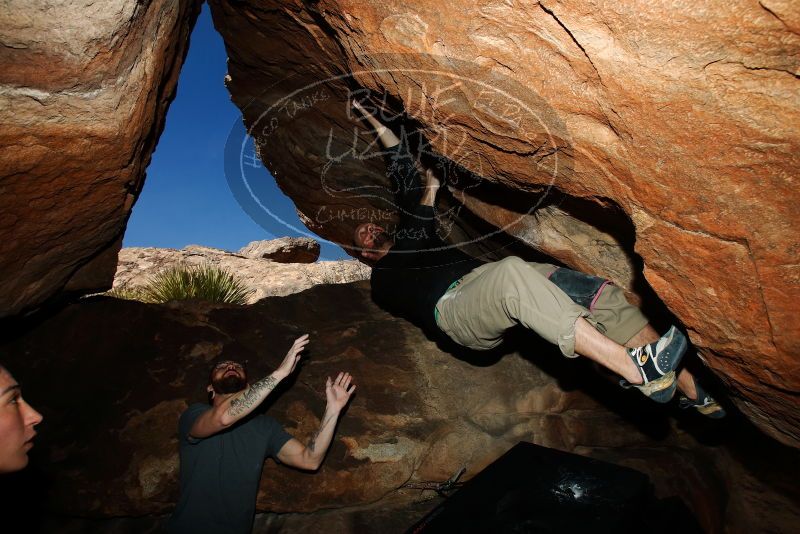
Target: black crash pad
{"points": [[537, 489]]}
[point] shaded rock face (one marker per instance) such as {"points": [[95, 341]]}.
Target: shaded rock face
{"points": [[263, 277], [284, 250], [84, 91], [111, 378], [677, 124]]}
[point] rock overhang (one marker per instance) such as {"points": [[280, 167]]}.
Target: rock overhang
{"points": [[679, 121], [649, 112]]}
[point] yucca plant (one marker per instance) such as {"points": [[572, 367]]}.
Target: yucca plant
{"points": [[205, 282]]}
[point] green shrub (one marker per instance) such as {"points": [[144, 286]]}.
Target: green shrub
{"points": [[205, 282]]}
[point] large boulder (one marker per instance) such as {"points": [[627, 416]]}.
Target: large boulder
{"points": [[651, 138], [85, 91], [111, 378], [284, 250]]}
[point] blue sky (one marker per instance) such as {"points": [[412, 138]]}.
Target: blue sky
{"points": [[186, 198]]}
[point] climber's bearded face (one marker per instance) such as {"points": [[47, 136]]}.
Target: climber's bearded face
{"points": [[228, 377]]}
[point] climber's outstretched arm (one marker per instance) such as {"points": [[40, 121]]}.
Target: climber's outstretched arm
{"points": [[387, 137]]}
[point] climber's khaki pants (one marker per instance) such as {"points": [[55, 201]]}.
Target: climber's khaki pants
{"points": [[496, 296]]}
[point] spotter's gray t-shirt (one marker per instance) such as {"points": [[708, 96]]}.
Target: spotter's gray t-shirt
{"points": [[220, 474]]}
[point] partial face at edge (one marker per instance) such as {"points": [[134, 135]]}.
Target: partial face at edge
{"points": [[17, 422]]}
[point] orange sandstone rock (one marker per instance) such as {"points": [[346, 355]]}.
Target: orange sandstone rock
{"points": [[680, 120]]}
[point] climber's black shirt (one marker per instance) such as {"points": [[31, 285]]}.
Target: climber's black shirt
{"points": [[418, 269]]}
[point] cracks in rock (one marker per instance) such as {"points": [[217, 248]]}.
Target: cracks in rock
{"points": [[768, 10], [608, 120], [574, 40], [539, 152], [492, 58], [712, 62], [563, 26], [15, 46], [748, 67]]}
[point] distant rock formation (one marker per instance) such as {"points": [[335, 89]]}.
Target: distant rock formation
{"points": [[284, 250], [265, 277]]}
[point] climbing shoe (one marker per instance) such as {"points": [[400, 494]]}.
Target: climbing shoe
{"points": [[656, 363], [704, 403]]}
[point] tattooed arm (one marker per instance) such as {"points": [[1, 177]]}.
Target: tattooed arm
{"points": [[228, 409], [310, 456]]}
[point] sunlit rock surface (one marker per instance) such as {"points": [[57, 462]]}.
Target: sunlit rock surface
{"points": [[111, 378], [677, 123], [262, 277], [84, 90]]}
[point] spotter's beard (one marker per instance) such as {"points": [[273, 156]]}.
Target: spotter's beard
{"points": [[229, 384]]}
